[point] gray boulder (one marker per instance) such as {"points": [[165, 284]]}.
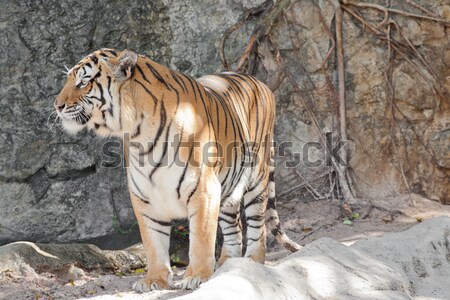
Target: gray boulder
{"points": [[405, 265]]}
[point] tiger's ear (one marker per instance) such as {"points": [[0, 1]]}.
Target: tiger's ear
{"points": [[125, 64]]}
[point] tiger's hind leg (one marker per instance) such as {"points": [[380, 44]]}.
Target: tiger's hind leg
{"points": [[255, 202], [229, 222]]}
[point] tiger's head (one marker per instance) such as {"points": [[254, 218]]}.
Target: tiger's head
{"points": [[90, 97]]}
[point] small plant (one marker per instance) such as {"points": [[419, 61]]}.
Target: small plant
{"points": [[349, 221], [355, 216], [139, 271], [180, 231]]}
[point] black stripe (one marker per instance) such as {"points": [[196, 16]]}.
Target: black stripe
{"points": [[207, 112], [272, 203], [158, 76], [155, 100], [162, 232], [178, 146], [178, 80], [230, 215], [111, 51], [141, 197], [99, 73], [256, 226], [142, 74], [225, 108], [163, 119], [109, 85], [232, 244], [250, 189], [257, 239], [234, 225], [258, 199], [137, 132], [111, 107], [163, 154], [162, 223], [145, 201], [226, 221], [180, 181], [102, 98], [230, 233], [277, 230], [94, 59], [132, 159], [190, 80], [193, 191], [257, 218]]}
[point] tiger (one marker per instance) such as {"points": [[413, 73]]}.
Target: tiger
{"points": [[168, 116]]}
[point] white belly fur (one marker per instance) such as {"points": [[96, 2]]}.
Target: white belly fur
{"points": [[161, 192]]}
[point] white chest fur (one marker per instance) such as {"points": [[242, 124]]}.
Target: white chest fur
{"points": [[157, 181]]}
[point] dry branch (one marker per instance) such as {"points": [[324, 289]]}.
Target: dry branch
{"points": [[403, 50], [251, 13], [263, 28], [414, 4], [387, 10]]}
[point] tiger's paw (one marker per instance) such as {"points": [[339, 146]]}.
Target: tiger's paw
{"points": [[191, 283], [151, 284]]}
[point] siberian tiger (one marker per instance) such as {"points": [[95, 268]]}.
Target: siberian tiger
{"points": [[196, 149]]}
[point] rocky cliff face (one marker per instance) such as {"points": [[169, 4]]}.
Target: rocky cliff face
{"points": [[52, 187], [57, 188], [397, 125]]}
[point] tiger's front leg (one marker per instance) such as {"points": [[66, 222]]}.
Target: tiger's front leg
{"points": [[203, 212], [155, 236]]}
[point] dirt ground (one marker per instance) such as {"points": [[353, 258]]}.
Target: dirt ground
{"points": [[316, 220]]}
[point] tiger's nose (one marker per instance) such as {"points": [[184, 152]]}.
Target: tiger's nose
{"points": [[59, 106]]}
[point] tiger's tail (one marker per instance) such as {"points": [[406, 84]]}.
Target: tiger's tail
{"points": [[273, 221]]}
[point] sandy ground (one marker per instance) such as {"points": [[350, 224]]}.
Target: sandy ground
{"points": [[315, 220]]}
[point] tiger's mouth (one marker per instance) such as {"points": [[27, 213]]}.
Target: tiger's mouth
{"points": [[74, 117]]}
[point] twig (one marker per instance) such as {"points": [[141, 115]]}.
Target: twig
{"points": [[310, 233], [397, 47], [385, 10], [309, 187], [263, 28], [413, 3], [302, 185], [251, 13]]}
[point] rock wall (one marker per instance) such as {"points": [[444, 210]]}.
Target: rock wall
{"points": [[398, 130], [54, 187]]}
